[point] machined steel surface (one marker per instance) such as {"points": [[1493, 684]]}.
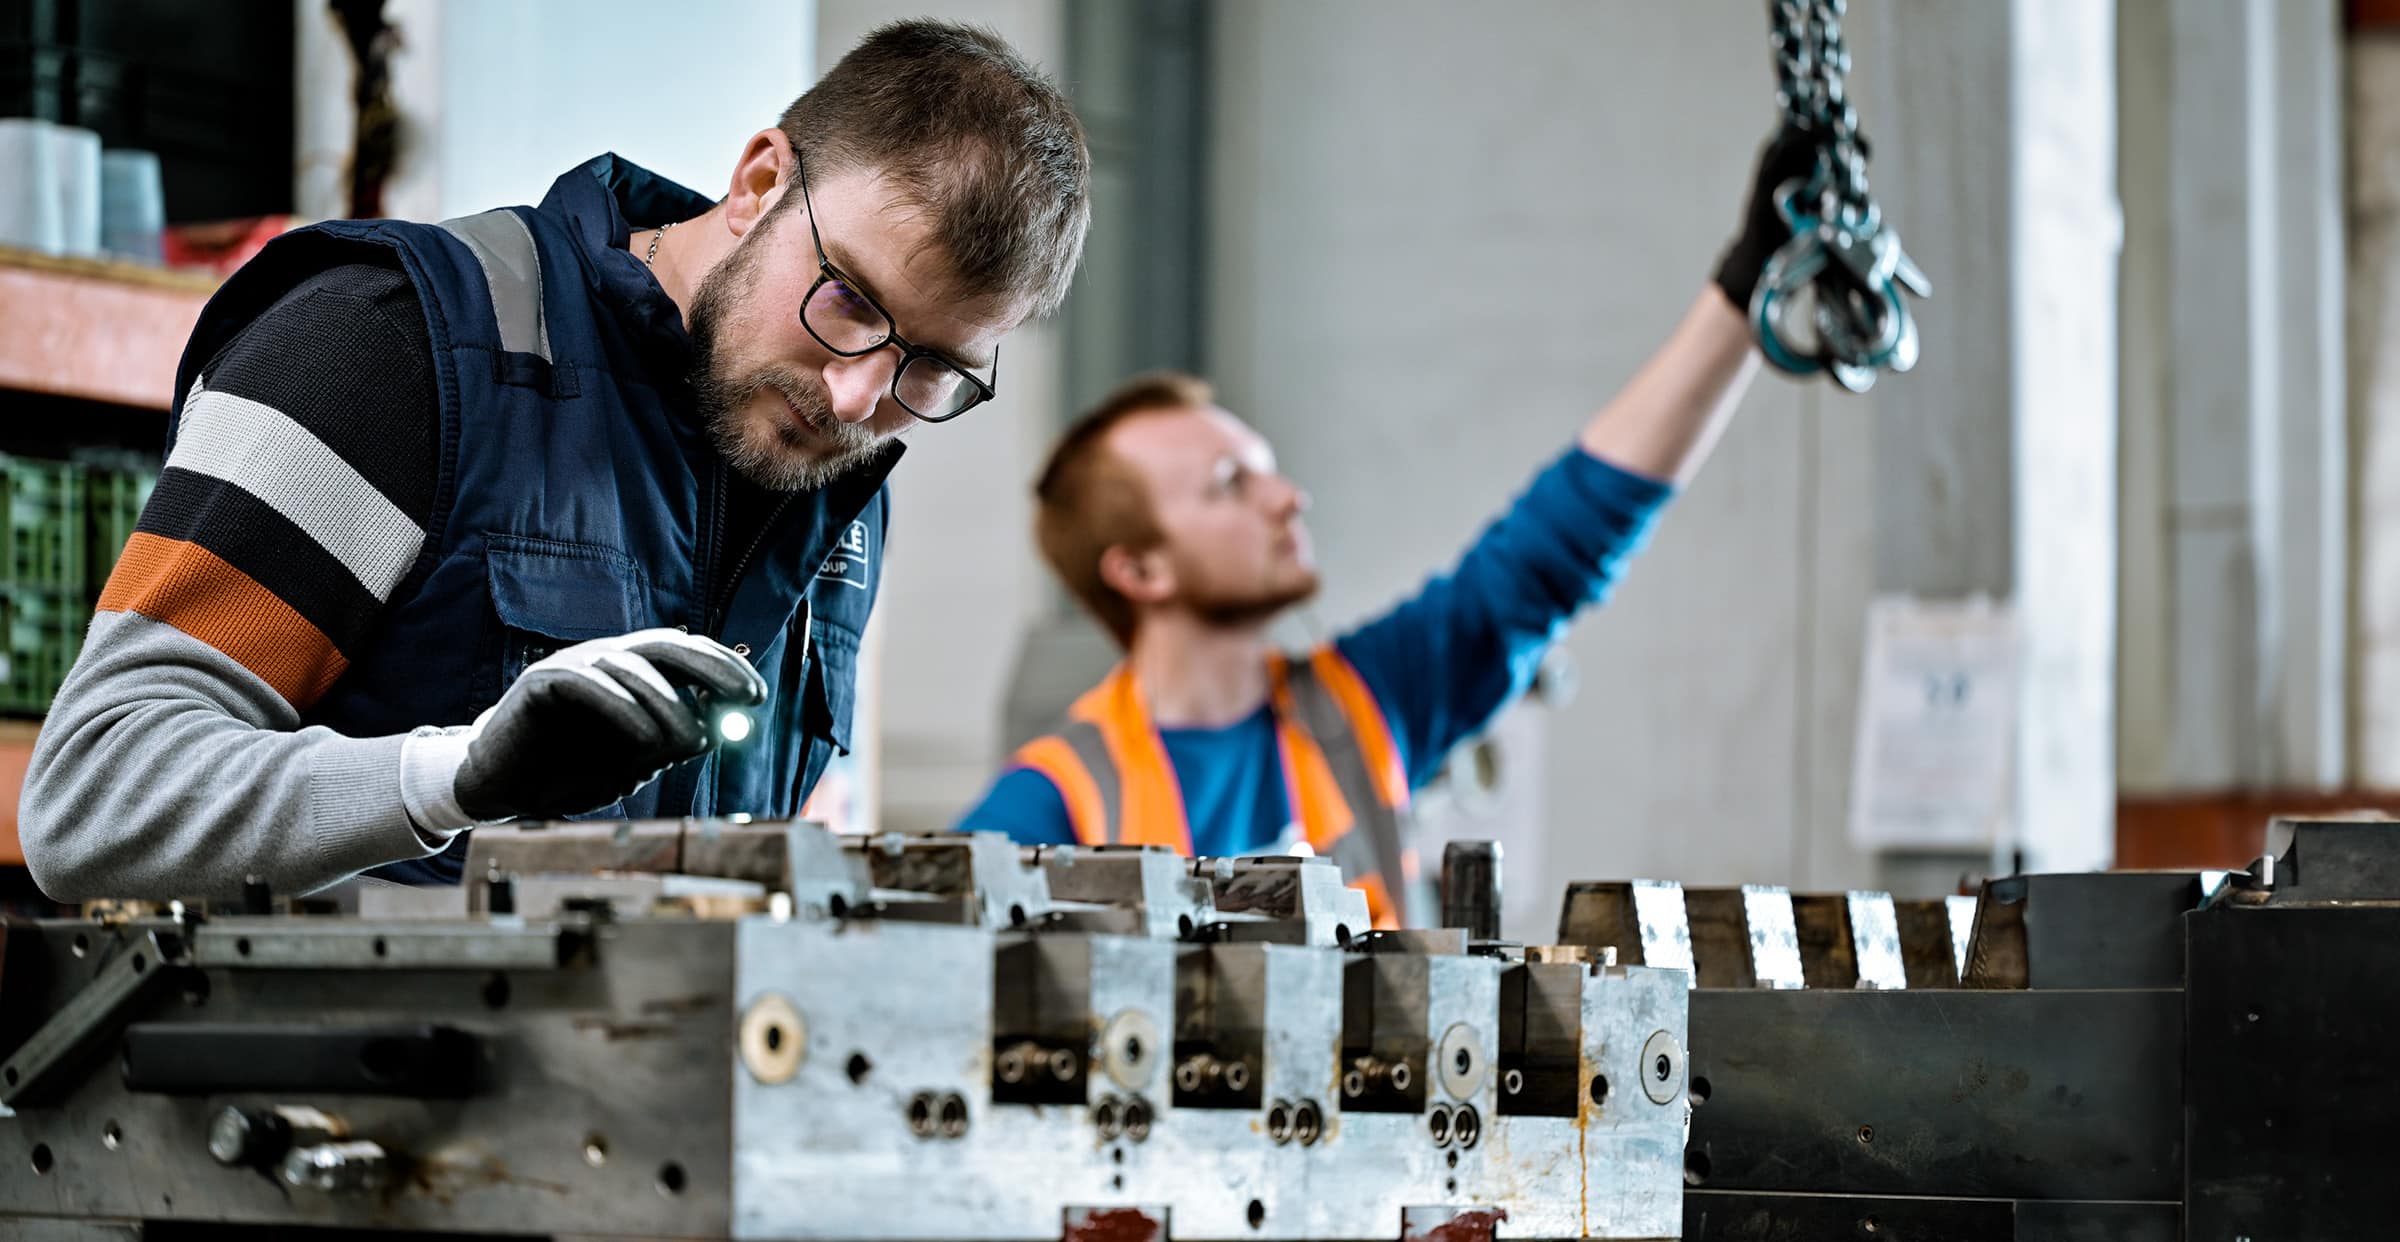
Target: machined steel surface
{"points": [[1643, 920], [129, 970], [1849, 940], [834, 1152], [1913, 1107], [2066, 1095], [2140, 1056], [2118, 929], [1744, 937], [613, 1055], [954, 1055], [1743, 1216], [924, 1039], [2288, 1080]]}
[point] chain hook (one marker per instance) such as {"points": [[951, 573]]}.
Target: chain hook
{"points": [[1830, 298]]}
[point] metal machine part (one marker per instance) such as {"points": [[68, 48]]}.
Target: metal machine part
{"points": [[1849, 940], [1471, 888], [1930, 951], [2285, 1081], [2133, 1056], [890, 1038], [1283, 901], [1745, 937], [2137, 1056], [1124, 890], [1643, 920], [132, 970]]}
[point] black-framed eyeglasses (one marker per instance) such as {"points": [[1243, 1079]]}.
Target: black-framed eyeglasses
{"points": [[844, 319]]}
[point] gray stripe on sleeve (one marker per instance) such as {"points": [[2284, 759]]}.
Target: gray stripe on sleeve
{"points": [[165, 769]]}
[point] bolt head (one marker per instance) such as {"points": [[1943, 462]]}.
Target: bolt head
{"points": [[229, 1137]]}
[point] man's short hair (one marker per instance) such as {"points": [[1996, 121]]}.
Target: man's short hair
{"points": [[1089, 500], [972, 134]]}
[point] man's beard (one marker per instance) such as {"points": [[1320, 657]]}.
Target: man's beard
{"points": [[778, 456], [1243, 608]]}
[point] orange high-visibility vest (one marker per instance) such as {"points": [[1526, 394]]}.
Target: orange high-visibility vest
{"points": [[1341, 771]]}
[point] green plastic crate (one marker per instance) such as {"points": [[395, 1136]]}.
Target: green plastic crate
{"points": [[40, 632], [43, 532], [115, 499]]}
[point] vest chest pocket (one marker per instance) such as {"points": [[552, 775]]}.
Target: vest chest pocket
{"points": [[833, 682], [808, 722], [548, 594]]}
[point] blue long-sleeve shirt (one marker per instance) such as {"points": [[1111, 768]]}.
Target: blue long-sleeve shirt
{"points": [[1441, 664]]}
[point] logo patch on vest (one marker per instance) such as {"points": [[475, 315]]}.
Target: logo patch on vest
{"points": [[848, 563]]}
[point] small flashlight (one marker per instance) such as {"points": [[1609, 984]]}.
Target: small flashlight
{"points": [[733, 726]]}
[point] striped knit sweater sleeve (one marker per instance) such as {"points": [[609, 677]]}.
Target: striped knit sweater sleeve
{"points": [[173, 762]]}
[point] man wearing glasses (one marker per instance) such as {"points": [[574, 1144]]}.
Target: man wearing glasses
{"points": [[1165, 516], [500, 518]]}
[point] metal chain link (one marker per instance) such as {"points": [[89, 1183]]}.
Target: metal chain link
{"points": [[1843, 271]]}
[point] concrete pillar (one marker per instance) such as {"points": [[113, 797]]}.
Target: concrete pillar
{"points": [[2374, 339], [2065, 237], [2312, 694], [1715, 742], [1996, 460], [2235, 514]]}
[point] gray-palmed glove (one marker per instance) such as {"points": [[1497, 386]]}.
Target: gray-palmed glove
{"points": [[581, 728]]}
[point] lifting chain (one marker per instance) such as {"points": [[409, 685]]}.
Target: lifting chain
{"points": [[1830, 298]]}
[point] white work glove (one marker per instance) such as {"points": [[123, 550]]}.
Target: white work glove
{"points": [[580, 729]]}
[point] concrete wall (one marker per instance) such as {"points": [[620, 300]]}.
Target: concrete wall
{"points": [[1442, 235], [961, 581], [498, 99], [1439, 236], [654, 84]]}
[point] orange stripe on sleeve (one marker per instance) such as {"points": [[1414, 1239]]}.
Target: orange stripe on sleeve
{"points": [[1053, 758], [198, 592]]}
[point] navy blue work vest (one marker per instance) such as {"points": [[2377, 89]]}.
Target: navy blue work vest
{"points": [[580, 495]]}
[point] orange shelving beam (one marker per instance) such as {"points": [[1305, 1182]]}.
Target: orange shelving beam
{"points": [[94, 330]]}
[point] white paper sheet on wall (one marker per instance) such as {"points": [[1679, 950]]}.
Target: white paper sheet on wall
{"points": [[1935, 765]]}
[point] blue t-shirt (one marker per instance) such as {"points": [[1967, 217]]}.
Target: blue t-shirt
{"points": [[1441, 664]]}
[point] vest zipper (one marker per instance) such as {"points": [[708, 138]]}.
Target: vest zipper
{"points": [[705, 621], [722, 602], [724, 594]]}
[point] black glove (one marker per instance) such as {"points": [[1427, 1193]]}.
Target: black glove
{"points": [[592, 723], [1790, 154]]}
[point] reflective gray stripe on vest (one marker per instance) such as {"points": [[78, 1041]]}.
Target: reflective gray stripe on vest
{"points": [[512, 266], [1083, 737], [1377, 832]]}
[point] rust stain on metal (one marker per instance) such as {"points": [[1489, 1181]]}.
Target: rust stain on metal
{"points": [[677, 1006], [1112, 1225], [1584, 1108], [1583, 1176], [1463, 1225], [445, 1175], [613, 1030], [1510, 1177]]}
